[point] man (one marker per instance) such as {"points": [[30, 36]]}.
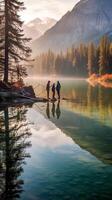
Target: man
{"points": [[48, 89], [58, 88], [53, 91]]}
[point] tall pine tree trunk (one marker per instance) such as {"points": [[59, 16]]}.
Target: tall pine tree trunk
{"points": [[6, 44]]}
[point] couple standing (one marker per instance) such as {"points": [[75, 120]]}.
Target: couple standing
{"points": [[54, 88]]}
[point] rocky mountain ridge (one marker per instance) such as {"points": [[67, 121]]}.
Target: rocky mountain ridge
{"points": [[88, 21]]}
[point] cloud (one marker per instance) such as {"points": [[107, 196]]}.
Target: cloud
{"points": [[46, 8]]}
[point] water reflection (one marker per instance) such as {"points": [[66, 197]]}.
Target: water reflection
{"points": [[92, 102], [44, 133], [54, 110], [86, 116], [58, 111], [99, 104], [14, 133], [59, 168], [48, 110]]}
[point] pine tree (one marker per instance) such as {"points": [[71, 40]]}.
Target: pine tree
{"points": [[1, 37], [109, 70], [90, 64], [103, 57], [14, 48]]}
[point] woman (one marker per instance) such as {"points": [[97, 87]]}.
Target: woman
{"points": [[48, 89], [53, 91]]}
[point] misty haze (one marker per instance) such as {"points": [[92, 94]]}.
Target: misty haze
{"points": [[55, 100]]}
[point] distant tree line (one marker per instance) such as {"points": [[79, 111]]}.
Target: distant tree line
{"points": [[83, 60]]}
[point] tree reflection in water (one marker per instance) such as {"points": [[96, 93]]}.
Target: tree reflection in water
{"points": [[14, 133]]}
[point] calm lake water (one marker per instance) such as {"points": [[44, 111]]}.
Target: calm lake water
{"points": [[67, 146]]}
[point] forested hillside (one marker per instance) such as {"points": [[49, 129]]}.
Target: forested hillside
{"points": [[82, 61]]}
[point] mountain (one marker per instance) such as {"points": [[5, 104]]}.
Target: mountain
{"points": [[37, 27], [88, 21]]}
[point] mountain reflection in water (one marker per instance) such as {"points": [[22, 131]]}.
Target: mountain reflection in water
{"points": [[71, 154], [59, 169], [14, 134], [85, 115]]}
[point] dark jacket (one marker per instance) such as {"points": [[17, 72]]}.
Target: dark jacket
{"points": [[53, 88], [58, 87]]}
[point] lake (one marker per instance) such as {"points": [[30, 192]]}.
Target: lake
{"points": [[61, 150]]}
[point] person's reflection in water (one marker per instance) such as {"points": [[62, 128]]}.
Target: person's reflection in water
{"points": [[53, 109], [48, 110], [58, 111]]}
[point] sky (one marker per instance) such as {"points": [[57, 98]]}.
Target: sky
{"points": [[46, 8]]}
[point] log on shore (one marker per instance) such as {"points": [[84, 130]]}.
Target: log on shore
{"points": [[11, 96]]}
